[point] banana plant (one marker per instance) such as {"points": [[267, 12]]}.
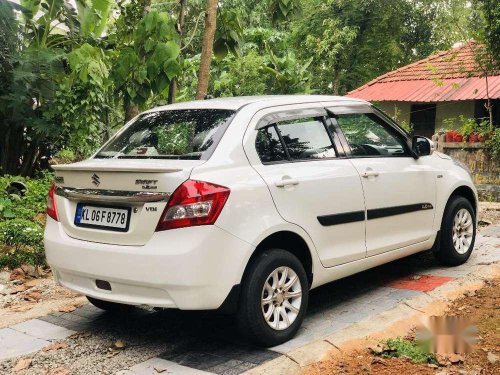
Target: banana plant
{"points": [[290, 75]]}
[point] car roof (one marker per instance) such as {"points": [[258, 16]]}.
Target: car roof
{"points": [[235, 103]]}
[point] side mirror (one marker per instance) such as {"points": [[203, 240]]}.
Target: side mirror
{"points": [[422, 146]]}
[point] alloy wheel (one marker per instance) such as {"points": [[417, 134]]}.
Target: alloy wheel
{"points": [[281, 298], [463, 231]]}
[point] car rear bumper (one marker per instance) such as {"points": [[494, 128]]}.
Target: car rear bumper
{"points": [[189, 268]]}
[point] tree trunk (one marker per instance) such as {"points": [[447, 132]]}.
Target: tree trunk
{"points": [[172, 89], [206, 48], [131, 110], [29, 159]]}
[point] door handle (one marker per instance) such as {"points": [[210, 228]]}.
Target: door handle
{"points": [[286, 182], [369, 173]]}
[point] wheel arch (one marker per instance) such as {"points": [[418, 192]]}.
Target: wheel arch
{"points": [[282, 239], [466, 192], [289, 241]]}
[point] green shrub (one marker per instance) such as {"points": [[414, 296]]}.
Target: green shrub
{"points": [[65, 156], [32, 203], [399, 347], [22, 242], [21, 220], [493, 144]]}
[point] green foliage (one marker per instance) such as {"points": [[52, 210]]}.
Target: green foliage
{"points": [[493, 144], [290, 75], [21, 222], [146, 67], [23, 243], [399, 347], [486, 26], [407, 126], [93, 16], [6, 208], [65, 156], [240, 76], [466, 125], [33, 202], [229, 32], [283, 10]]}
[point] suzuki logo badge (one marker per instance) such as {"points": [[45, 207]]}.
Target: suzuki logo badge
{"points": [[95, 179]]}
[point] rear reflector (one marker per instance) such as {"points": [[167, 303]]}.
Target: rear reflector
{"points": [[193, 203]]}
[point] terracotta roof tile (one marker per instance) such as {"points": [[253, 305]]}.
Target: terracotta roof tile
{"points": [[444, 76]]}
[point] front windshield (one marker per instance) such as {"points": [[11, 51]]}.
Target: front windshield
{"points": [[177, 134]]}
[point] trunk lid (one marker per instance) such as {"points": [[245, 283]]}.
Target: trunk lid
{"points": [[140, 186]]}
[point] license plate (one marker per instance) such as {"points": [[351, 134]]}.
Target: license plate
{"points": [[100, 217]]}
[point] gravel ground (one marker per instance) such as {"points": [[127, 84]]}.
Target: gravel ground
{"points": [[24, 297], [143, 333], [489, 212]]}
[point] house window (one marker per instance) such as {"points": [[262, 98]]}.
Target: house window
{"points": [[423, 119]]}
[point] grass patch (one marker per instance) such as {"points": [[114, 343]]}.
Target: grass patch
{"points": [[399, 347]]}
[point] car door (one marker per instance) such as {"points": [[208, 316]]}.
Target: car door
{"points": [[312, 186], [399, 190]]}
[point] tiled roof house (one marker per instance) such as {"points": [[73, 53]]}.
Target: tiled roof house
{"points": [[442, 86]]}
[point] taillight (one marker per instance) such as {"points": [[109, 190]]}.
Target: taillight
{"points": [[51, 203], [193, 203]]}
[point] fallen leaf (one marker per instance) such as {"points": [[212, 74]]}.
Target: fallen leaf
{"points": [[455, 358], [67, 308], [33, 296], [378, 360], [22, 365], [377, 349], [119, 344], [21, 308], [18, 289], [17, 274], [442, 360], [160, 369], [55, 346], [29, 270], [33, 282]]}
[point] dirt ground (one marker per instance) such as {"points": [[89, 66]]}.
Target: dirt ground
{"points": [[26, 293], [489, 213], [481, 307]]}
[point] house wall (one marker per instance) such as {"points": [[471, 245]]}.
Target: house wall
{"points": [[400, 111], [447, 110]]}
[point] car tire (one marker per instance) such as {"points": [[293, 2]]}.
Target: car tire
{"points": [[109, 306], [271, 310], [458, 232]]}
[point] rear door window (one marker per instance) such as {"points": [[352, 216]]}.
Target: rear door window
{"points": [[269, 146], [306, 138], [298, 139]]}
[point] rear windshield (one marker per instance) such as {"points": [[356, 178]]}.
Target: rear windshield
{"points": [[180, 134]]}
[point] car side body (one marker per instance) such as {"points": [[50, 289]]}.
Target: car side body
{"points": [[338, 215]]}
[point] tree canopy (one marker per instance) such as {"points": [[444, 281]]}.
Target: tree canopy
{"points": [[70, 76]]}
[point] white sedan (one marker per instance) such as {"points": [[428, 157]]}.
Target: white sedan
{"points": [[245, 204]]}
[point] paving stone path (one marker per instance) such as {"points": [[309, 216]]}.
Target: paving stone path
{"points": [[205, 342]]}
